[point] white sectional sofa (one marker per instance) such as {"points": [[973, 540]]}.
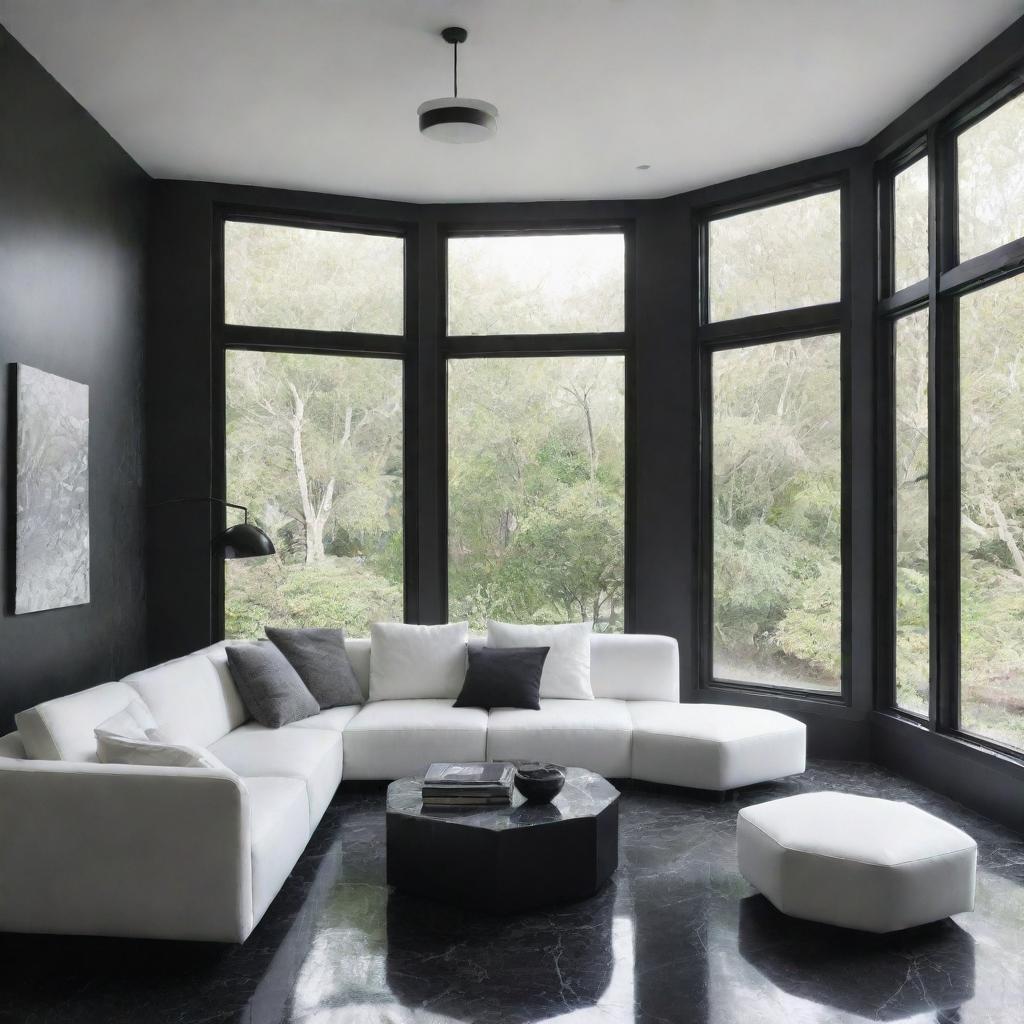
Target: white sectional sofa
{"points": [[190, 853]]}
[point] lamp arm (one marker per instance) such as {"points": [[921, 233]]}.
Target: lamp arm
{"points": [[215, 501]]}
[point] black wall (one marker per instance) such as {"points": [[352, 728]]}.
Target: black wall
{"points": [[73, 225]]}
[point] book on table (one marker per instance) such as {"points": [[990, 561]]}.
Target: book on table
{"points": [[471, 783]]}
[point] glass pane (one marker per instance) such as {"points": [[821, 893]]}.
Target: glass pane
{"points": [[911, 483], [536, 471], [277, 276], [778, 257], [776, 454], [536, 284], [990, 180], [314, 449], [910, 223], [992, 512]]}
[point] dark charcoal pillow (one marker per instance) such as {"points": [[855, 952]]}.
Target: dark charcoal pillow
{"points": [[270, 688], [319, 657], [503, 677]]}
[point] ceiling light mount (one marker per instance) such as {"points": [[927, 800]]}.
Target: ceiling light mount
{"points": [[453, 118]]}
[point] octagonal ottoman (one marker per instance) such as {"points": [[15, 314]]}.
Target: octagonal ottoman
{"points": [[713, 746], [856, 861]]}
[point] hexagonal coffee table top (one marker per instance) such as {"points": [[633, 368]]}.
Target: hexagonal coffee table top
{"points": [[584, 795]]}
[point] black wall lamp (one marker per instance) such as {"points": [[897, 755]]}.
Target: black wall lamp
{"points": [[243, 540]]}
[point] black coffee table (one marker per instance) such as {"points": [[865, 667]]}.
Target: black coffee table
{"points": [[505, 859]]}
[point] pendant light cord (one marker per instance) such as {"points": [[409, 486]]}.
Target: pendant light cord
{"points": [[456, 72]]}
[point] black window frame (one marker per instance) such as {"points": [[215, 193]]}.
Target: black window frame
{"points": [[948, 280], [610, 343], [239, 337], [833, 318]]}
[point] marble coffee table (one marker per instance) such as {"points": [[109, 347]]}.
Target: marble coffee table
{"points": [[505, 860]]}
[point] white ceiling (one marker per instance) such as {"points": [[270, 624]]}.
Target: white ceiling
{"points": [[322, 94]]}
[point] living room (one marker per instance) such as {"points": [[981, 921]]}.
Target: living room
{"points": [[512, 512]]}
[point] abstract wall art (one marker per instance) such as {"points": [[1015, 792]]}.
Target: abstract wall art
{"points": [[52, 498]]}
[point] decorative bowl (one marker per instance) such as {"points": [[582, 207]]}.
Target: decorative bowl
{"points": [[540, 783]]}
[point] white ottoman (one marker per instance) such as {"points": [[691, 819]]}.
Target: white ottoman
{"points": [[856, 861], [713, 746]]}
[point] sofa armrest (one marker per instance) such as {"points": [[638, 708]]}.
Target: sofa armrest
{"points": [[110, 849]]}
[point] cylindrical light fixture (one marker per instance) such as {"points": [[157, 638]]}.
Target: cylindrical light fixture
{"points": [[454, 118]]}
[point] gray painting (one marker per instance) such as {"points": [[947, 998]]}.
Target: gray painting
{"points": [[52, 501]]}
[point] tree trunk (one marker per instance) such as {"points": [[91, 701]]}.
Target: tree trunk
{"points": [[314, 516]]}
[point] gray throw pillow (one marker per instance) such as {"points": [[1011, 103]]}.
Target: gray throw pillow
{"points": [[269, 687], [320, 658]]}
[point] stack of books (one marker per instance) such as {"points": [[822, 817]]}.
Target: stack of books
{"points": [[469, 784]]}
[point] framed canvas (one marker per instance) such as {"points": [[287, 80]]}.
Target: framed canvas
{"points": [[51, 557]]}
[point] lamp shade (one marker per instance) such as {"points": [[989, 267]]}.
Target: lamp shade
{"points": [[242, 541], [458, 120]]}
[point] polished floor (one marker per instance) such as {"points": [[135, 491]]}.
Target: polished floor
{"points": [[676, 937]]}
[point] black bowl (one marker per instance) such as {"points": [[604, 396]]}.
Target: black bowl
{"points": [[540, 783]]}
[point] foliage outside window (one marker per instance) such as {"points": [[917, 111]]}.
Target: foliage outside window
{"points": [[536, 284], [913, 657], [314, 448], [910, 224], [776, 451], [990, 180], [777, 257], [318, 280], [992, 512], [536, 471]]}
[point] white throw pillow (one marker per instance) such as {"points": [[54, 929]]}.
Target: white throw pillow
{"points": [[567, 667], [131, 737], [409, 662], [132, 723], [153, 750]]}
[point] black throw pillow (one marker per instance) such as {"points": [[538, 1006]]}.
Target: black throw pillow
{"points": [[320, 658], [503, 677]]}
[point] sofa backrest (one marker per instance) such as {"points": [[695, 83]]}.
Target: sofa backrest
{"points": [[623, 666], [193, 699], [63, 729]]}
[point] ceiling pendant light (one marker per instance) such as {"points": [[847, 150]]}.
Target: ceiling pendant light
{"points": [[455, 118]]}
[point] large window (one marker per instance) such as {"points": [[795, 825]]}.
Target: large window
{"points": [[777, 514], [992, 512], [536, 284], [536, 471], [910, 484], [537, 441], [990, 180], [276, 275], [957, 416], [773, 258], [314, 449]]}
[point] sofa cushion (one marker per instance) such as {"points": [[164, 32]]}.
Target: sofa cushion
{"points": [[394, 738], [409, 662], [313, 755], [63, 729], [567, 666], [592, 734], [713, 746], [333, 719], [634, 666], [280, 830], [193, 699]]}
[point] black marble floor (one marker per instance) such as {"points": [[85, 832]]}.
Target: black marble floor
{"points": [[676, 937]]}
